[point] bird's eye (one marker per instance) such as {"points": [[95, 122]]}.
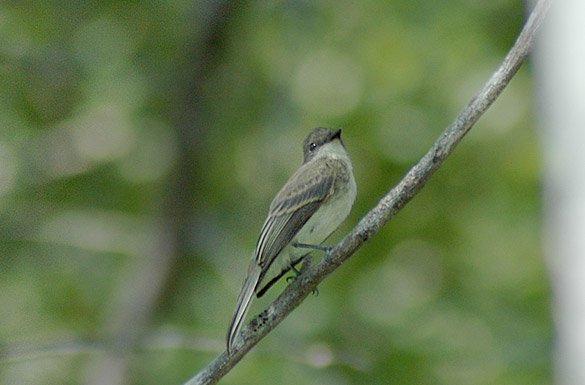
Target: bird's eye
{"points": [[312, 146]]}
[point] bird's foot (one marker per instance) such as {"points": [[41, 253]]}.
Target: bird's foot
{"points": [[296, 272], [307, 260]]}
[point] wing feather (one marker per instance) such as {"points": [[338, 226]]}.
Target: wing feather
{"points": [[292, 207]]}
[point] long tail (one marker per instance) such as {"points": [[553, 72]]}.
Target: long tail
{"points": [[243, 303]]}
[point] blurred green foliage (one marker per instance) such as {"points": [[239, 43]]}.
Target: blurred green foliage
{"points": [[115, 114]]}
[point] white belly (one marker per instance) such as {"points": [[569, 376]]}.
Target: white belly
{"points": [[327, 219]]}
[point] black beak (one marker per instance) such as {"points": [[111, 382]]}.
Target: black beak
{"points": [[336, 134]]}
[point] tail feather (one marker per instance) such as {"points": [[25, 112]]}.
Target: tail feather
{"points": [[243, 303]]}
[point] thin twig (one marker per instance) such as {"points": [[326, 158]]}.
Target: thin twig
{"points": [[388, 206]]}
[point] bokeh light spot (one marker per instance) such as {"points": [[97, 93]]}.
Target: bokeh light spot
{"points": [[328, 84]]}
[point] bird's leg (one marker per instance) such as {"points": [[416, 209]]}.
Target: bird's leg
{"points": [[307, 260], [304, 267], [293, 277], [325, 249]]}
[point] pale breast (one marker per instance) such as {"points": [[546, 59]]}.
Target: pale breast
{"points": [[331, 214]]}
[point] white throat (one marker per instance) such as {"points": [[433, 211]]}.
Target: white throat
{"points": [[334, 150]]}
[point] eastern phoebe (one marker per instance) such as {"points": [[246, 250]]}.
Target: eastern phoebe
{"points": [[308, 208]]}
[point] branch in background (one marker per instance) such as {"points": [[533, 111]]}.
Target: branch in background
{"points": [[163, 339], [202, 56], [388, 206], [146, 279]]}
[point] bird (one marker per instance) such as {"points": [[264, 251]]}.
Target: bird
{"points": [[310, 206]]}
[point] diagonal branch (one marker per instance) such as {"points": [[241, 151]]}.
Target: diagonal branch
{"points": [[388, 206]]}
